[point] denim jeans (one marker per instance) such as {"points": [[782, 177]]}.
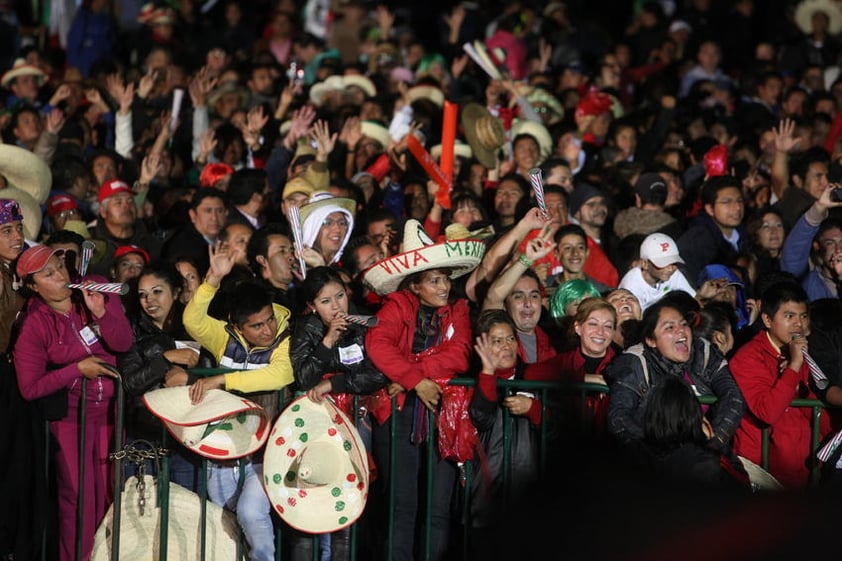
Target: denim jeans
{"points": [[249, 502]]}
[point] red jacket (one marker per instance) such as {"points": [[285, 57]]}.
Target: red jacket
{"points": [[389, 343], [768, 389], [543, 346], [599, 267]]}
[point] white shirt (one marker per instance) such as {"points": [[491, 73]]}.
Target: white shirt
{"points": [[634, 282]]}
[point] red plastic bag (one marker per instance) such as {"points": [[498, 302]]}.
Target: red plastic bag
{"points": [[458, 437]]}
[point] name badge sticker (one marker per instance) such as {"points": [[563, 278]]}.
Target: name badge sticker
{"points": [[351, 354], [88, 335]]}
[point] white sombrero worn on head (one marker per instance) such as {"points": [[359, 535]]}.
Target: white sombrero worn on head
{"points": [[222, 426], [537, 131], [806, 9], [22, 68], [29, 180], [420, 253], [315, 469]]}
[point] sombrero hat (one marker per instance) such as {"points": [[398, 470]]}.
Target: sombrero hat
{"points": [[459, 149], [432, 93], [537, 131], [761, 480], [315, 468], [222, 426], [376, 131], [140, 532], [550, 102], [29, 180], [420, 253], [227, 87], [319, 90], [484, 132], [22, 68], [806, 8], [361, 82]]}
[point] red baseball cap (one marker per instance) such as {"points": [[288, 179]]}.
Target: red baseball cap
{"points": [[111, 188], [126, 249], [34, 259], [59, 203]]}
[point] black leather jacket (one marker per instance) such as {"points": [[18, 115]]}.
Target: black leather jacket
{"points": [[311, 360], [144, 367]]}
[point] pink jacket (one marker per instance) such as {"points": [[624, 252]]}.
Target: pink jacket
{"points": [[50, 345]]}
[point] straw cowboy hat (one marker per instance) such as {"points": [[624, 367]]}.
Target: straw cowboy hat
{"points": [[29, 179], [376, 131], [484, 132], [420, 253], [807, 8], [319, 90], [222, 426], [227, 87], [432, 93], [22, 68], [313, 214], [362, 82], [140, 534], [315, 468], [537, 131]]}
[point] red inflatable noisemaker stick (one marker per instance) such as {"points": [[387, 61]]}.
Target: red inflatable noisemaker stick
{"points": [[433, 170]]}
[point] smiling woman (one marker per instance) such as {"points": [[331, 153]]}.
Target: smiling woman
{"points": [[669, 349]]}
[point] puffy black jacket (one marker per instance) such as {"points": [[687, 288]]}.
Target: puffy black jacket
{"points": [[311, 360], [144, 367]]}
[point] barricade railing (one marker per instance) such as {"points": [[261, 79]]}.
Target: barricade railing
{"points": [[540, 389]]}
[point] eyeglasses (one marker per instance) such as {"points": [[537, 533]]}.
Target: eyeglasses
{"points": [[330, 222]]}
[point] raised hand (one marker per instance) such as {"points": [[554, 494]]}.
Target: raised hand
{"points": [[222, 261], [351, 132], [55, 120], [150, 167], [325, 141], [540, 246], [785, 139]]}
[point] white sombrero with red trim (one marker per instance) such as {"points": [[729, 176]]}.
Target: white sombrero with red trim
{"points": [[315, 468], [222, 426]]}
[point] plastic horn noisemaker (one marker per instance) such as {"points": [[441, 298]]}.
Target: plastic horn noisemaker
{"points": [[120, 288]]}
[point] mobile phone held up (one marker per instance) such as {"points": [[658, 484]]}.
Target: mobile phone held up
{"points": [[836, 195]]}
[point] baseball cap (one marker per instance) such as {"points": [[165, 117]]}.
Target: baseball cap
{"points": [[111, 188], [651, 187], [660, 249], [59, 203], [126, 249], [34, 259]]}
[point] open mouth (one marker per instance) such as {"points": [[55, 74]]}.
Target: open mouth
{"points": [[682, 346]]}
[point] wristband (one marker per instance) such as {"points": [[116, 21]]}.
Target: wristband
{"points": [[524, 260]]}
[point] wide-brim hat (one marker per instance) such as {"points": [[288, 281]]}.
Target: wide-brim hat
{"points": [[537, 131], [484, 132], [807, 8], [423, 91], [140, 531], [322, 204], [420, 253], [222, 426], [22, 68], [319, 90], [225, 88], [459, 149], [362, 82], [540, 95], [315, 468], [761, 480], [29, 180], [376, 131], [322, 199]]}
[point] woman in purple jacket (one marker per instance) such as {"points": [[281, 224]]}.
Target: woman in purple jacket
{"points": [[65, 337]]}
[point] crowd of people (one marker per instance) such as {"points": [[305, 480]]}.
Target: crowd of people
{"points": [[362, 201]]}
